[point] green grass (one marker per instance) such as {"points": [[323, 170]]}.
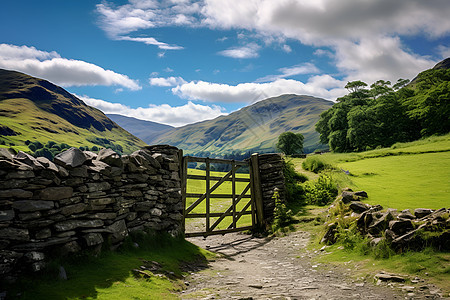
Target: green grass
{"points": [[403, 182], [216, 204], [109, 276]]}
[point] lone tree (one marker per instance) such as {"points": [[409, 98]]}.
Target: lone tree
{"points": [[290, 143]]}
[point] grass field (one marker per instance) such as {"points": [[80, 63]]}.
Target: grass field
{"points": [[216, 204]]}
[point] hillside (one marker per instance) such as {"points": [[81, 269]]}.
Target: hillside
{"points": [[147, 131], [37, 110], [255, 127]]}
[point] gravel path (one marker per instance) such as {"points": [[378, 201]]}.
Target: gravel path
{"points": [[280, 268]]}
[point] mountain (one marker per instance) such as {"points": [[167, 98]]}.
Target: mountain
{"points": [[255, 127], [34, 109], [145, 130]]}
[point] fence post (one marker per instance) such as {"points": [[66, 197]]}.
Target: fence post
{"points": [[183, 177], [256, 190]]}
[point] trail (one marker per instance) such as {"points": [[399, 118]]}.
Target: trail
{"points": [[281, 268]]}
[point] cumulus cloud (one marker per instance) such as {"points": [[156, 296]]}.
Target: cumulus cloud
{"points": [[306, 68], [61, 71], [323, 86], [444, 51], [247, 51], [164, 114], [169, 81]]}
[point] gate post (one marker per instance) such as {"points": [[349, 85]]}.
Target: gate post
{"points": [[183, 176], [257, 191]]}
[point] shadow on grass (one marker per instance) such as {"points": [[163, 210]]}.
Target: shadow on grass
{"points": [[109, 275]]}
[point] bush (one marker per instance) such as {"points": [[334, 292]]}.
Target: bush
{"points": [[282, 216], [321, 191], [294, 191], [315, 164]]}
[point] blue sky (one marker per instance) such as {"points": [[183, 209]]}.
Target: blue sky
{"points": [[180, 61]]}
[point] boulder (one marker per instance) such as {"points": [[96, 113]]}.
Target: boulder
{"points": [[358, 207], [401, 227], [29, 160], [406, 214], [47, 164], [422, 212], [71, 158], [110, 157]]}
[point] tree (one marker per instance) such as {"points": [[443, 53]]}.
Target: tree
{"points": [[290, 143]]}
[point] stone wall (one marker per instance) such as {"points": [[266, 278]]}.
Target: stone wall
{"points": [[272, 178], [83, 200]]}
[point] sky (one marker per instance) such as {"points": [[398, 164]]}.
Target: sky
{"points": [[178, 62]]}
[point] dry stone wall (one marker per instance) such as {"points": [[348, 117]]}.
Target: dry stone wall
{"points": [[272, 179], [83, 200]]}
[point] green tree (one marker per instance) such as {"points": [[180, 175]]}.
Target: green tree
{"points": [[290, 143]]}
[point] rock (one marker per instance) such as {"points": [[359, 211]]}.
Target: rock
{"points": [[8, 260], [6, 215], [34, 256], [422, 212], [81, 171], [406, 214], [119, 231], [32, 205], [6, 155], [358, 207], [389, 277], [16, 193], [144, 158], [93, 239], [56, 193], [347, 197], [73, 209], [379, 225], [362, 194], [21, 174], [90, 155], [98, 186], [71, 158], [99, 167], [110, 157], [62, 273], [16, 234], [330, 236], [73, 224], [401, 227], [29, 160]]}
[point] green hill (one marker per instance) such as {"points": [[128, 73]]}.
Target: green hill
{"points": [[37, 110], [255, 127]]}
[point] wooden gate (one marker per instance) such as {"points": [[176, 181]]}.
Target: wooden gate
{"points": [[242, 196]]}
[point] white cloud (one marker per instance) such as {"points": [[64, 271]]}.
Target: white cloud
{"points": [[150, 41], [444, 51], [287, 48], [247, 51], [164, 114], [323, 86], [61, 71], [306, 68], [169, 81]]}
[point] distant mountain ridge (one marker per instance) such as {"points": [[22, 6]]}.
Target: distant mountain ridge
{"points": [[255, 127], [147, 131], [37, 110]]}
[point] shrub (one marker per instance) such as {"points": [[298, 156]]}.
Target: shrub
{"points": [[321, 191], [294, 191], [282, 216], [315, 164]]}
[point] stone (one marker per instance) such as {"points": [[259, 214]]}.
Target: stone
{"points": [[73, 209], [70, 247], [13, 184], [43, 234], [62, 273], [6, 215], [102, 201], [362, 194], [379, 225], [347, 197], [358, 207], [34, 256], [104, 216], [422, 212], [81, 171], [401, 227], [8, 260], [110, 157], [62, 171], [119, 231], [90, 155], [389, 277], [144, 158], [47, 164], [73, 224], [32, 205], [20, 174], [156, 212], [16, 193], [98, 186], [16, 234], [30, 216], [99, 167], [329, 237], [5, 154], [29, 160], [93, 239], [406, 214], [70, 158], [56, 193]]}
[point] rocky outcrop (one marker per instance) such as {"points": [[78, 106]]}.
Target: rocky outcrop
{"points": [[83, 200], [402, 230]]}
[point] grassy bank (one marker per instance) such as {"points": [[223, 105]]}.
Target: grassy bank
{"points": [[109, 275]]}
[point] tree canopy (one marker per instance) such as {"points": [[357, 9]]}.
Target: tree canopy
{"points": [[290, 143], [386, 114]]}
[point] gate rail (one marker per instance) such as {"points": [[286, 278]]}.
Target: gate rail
{"points": [[254, 203]]}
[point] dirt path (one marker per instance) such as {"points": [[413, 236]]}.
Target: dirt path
{"points": [[277, 268]]}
